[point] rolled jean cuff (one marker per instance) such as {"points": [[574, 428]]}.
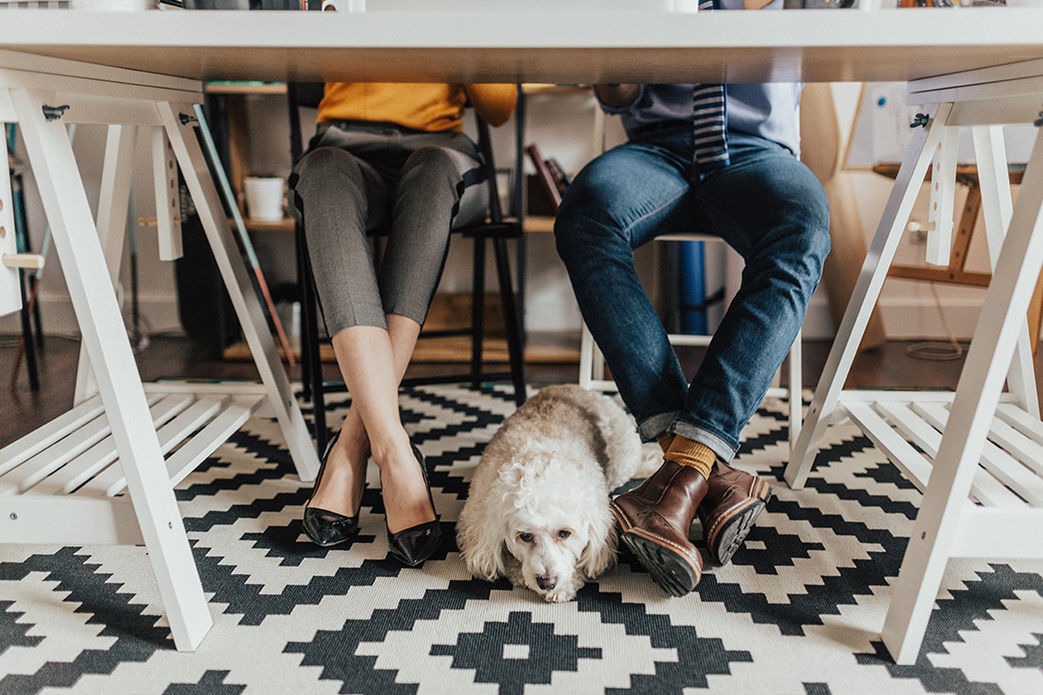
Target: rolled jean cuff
{"points": [[652, 427], [725, 451]]}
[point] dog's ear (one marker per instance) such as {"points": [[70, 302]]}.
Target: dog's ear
{"points": [[484, 550], [600, 553]]}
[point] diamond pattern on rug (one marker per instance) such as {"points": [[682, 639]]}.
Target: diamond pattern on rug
{"points": [[798, 610]]}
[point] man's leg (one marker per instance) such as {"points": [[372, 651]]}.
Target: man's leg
{"points": [[622, 199], [617, 202], [772, 210]]}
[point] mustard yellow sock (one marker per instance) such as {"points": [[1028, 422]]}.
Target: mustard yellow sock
{"points": [[686, 452], [665, 440]]}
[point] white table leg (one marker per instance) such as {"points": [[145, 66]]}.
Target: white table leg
{"points": [[119, 384], [864, 296], [10, 280], [794, 370], [179, 121], [997, 207], [943, 198], [995, 337], [168, 209], [113, 203]]}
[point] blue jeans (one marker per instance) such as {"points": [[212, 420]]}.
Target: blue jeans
{"points": [[766, 205]]}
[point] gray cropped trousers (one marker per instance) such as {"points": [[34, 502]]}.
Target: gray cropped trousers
{"points": [[358, 180]]}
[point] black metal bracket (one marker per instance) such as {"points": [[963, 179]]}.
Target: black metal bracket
{"points": [[920, 120], [186, 119], [53, 113]]}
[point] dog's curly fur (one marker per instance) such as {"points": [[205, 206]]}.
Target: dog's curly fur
{"points": [[537, 512]]}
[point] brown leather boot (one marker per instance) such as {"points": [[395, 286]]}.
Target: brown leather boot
{"points": [[733, 502], [655, 518]]}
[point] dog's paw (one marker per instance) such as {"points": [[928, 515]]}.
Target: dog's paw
{"points": [[559, 596]]}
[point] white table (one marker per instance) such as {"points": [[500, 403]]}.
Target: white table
{"points": [[564, 41], [143, 71]]}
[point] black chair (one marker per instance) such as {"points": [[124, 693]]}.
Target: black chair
{"points": [[495, 228]]}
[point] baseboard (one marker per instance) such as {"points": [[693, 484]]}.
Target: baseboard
{"points": [[160, 315], [557, 348], [904, 318]]}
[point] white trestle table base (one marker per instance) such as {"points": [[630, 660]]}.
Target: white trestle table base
{"points": [[978, 454], [104, 471]]}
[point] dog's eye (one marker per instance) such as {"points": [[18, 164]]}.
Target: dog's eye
{"points": [[564, 533], [525, 537]]}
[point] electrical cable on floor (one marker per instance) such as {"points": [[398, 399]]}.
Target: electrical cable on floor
{"points": [[935, 350]]}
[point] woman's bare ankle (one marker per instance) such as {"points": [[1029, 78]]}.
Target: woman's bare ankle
{"points": [[343, 478], [403, 485]]}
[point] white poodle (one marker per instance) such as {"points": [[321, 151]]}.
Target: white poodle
{"points": [[537, 512]]}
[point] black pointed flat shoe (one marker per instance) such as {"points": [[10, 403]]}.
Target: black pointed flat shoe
{"points": [[326, 528], [415, 544]]}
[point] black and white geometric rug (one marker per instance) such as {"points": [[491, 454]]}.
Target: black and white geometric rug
{"points": [[797, 611]]}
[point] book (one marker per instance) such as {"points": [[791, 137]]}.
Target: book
{"points": [[546, 179], [561, 179]]}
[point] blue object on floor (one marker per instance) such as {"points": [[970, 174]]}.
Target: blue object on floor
{"points": [[691, 280]]}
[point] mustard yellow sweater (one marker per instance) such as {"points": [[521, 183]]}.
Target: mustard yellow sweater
{"points": [[422, 106]]}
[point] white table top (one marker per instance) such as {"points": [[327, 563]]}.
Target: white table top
{"points": [[531, 43]]}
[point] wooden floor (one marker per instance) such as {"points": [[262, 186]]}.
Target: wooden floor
{"points": [[170, 357]]}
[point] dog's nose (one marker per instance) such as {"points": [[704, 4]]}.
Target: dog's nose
{"points": [[546, 583]]}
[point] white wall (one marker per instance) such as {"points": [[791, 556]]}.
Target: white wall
{"points": [[564, 127], [156, 294]]}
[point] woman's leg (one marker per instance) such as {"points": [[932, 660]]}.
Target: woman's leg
{"points": [[340, 197], [344, 478], [367, 358], [372, 366], [425, 205]]}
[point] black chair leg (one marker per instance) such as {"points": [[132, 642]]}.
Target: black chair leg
{"points": [[477, 311], [510, 319], [318, 395], [37, 321], [311, 360], [28, 341], [306, 331]]}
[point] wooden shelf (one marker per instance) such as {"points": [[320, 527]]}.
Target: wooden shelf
{"points": [[538, 223], [245, 88], [286, 224], [452, 350]]}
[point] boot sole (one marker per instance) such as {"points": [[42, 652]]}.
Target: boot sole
{"points": [[731, 530], [669, 569]]}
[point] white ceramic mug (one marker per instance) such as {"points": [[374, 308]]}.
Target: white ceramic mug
{"points": [[264, 197]]}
